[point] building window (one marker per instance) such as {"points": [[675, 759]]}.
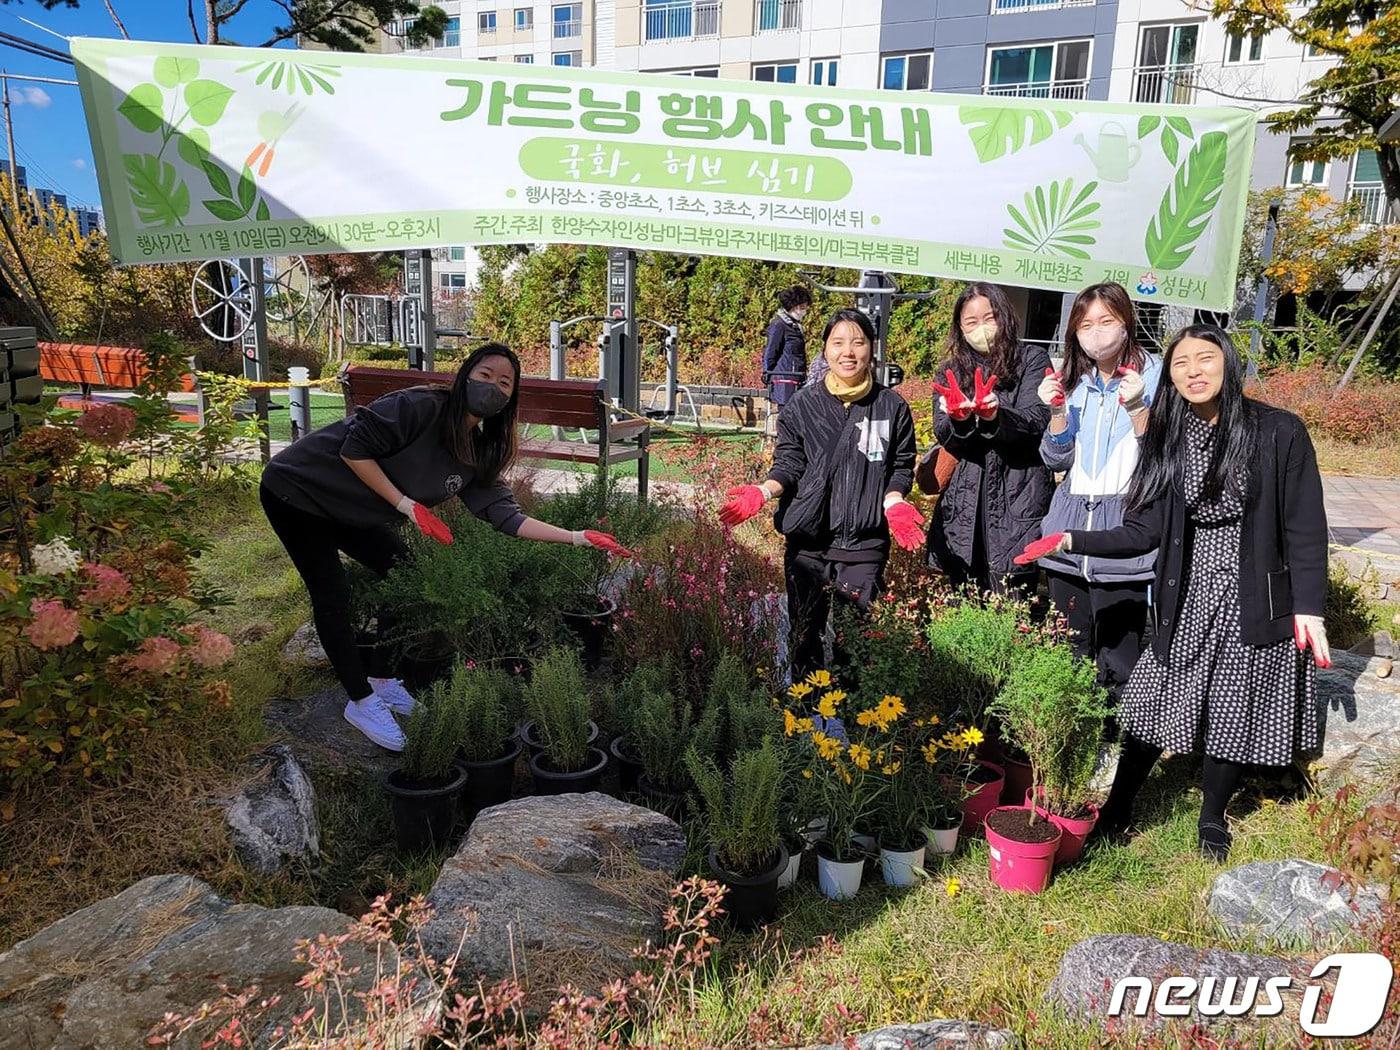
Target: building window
{"points": [[1059, 70], [525, 60], [568, 58], [524, 18], [706, 71], [1241, 49], [907, 72], [568, 21], [453, 281], [404, 27], [487, 58], [774, 15], [1307, 173], [457, 253], [1166, 67], [680, 19], [824, 72], [486, 22], [452, 35], [783, 73]]}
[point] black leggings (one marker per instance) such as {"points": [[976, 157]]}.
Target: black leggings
{"points": [[1219, 779], [314, 544], [813, 584]]}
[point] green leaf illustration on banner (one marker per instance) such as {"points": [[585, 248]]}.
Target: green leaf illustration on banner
{"points": [[1147, 125], [1174, 127], [294, 76], [226, 211], [171, 71], [247, 190], [1056, 220], [1187, 204], [193, 146], [207, 100], [160, 196], [142, 106], [263, 212], [996, 131], [218, 178]]}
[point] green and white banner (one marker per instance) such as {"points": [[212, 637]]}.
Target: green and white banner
{"points": [[206, 152]]}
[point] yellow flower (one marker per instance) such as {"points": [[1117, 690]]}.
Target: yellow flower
{"points": [[860, 755], [820, 679], [934, 720], [828, 747], [845, 774], [893, 707], [806, 774], [789, 723], [973, 736], [952, 887], [826, 706], [866, 718], [930, 752], [798, 690], [891, 769]]}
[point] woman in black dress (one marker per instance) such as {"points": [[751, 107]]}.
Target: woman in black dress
{"points": [[785, 353], [1228, 489]]}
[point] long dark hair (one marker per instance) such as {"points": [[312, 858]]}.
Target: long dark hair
{"points": [[1160, 458], [795, 296], [1004, 358], [488, 449], [1114, 296]]}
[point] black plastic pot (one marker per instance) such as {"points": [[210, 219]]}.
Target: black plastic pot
{"points": [[526, 735], [489, 783], [591, 627], [549, 781], [671, 803], [752, 900], [424, 813], [424, 661], [521, 667], [628, 768]]}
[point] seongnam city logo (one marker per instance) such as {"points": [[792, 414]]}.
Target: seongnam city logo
{"points": [[1357, 1001]]}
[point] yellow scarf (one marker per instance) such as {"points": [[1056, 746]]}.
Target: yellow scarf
{"points": [[846, 392]]}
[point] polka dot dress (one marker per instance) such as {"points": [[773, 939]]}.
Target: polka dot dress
{"points": [[1217, 695]]}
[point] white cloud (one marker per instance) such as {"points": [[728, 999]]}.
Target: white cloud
{"points": [[28, 95], [80, 164]]}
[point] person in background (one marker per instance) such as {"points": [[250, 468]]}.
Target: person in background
{"points": [[1098, 405], [785, 354], [342, 487], [843, 463], [988, 416], [1228, 492]]}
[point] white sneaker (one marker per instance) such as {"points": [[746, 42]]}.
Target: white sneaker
{"points": [[372, 717], [399, 699]]}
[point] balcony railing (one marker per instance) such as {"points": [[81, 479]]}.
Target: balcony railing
{"points": [[1375, 209], [680, 20], [1041, 89], [571, 28], [1172, 85], [776, 16], [1014, 7]]}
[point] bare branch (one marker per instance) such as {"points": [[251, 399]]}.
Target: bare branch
{"points": [[194, 26], [116, 20]]}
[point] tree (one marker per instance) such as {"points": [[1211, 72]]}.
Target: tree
{"points": [[341, 25], [1360, 91], [1321, 244]]}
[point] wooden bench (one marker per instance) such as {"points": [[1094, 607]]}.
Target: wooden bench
{"points": [[573, 404], [113, 367]]}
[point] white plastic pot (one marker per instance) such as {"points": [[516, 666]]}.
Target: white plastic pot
{"points": [[944, 841], [789, 876], [839, 879], [901, 867]]}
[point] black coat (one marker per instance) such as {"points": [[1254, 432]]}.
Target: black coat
{"points": [[1283, 552], [784, 359], [1000, 484]]}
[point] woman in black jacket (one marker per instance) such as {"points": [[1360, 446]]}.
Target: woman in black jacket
{"points": [[989, 417], [342, 487], [1229, 490], [843, 464], [785, 353]]}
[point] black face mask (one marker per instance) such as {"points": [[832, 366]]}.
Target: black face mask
{"points": [[485, 400]]}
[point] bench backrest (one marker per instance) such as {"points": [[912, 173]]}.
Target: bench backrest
{"points": [[573, 403], [120, 367]]}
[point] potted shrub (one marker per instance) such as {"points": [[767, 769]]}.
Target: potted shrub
{"points": [[558, 704], [644, 681], [423, 790], [487, 700], [661, 730], [1021, 848], [740, 813]]}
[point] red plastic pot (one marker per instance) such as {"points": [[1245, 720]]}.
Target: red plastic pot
{"points": [[1016, 866], [1075, 829], [984, 799], [1019, 779]]}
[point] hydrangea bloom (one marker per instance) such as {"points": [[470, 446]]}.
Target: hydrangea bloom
{"points": [[107, 424], [54, 625], [108, 584], [156, 656], [56, 558], [210, 648]]}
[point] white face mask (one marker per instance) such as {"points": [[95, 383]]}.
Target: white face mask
{"points": [[1101, 343], [981, 338], [797, 313]]}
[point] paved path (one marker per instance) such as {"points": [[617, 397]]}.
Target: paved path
{"points": [[1363, 518]]}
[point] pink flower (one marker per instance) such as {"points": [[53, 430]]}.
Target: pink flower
{"points": [[54, 625], [108, 584], [107, 424], [159, 487], [210, 648], [156, 656]]}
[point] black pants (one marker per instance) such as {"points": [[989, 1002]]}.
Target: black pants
{"points": [[1219, 779], [314, 544], [813, 582], [1108, 621]]}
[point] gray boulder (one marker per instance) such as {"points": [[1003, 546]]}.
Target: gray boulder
{"points": [[1287, 901], [314, 727], [304, 649], [1362, 713], [106, 975], [930, 1035], [562, 888], [273, 819]]}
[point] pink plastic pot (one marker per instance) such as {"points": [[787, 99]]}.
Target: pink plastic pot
{"points": [[1020, 867], [984, 800], [1019, 779], [1075, 831]]}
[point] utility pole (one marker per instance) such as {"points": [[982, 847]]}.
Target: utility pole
{"points": [[10, 143]]}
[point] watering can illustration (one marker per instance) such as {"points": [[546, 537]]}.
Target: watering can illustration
{"points": [[1115, 154]]}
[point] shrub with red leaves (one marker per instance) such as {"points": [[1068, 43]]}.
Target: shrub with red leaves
{"points": [[1363, 409]]}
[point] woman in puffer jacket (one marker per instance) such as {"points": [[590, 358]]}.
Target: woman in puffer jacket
{"points": [[1098, 411]]}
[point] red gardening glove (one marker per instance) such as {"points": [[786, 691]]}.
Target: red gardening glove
{"points": [[1052, 389], [984, 400], [1310, 631], [744, 502], [956, 403], [1037, 549], [905, 521], [430, 525], [605, 542]]}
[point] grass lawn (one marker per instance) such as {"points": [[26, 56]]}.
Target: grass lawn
{"points": [[1377, 458]]}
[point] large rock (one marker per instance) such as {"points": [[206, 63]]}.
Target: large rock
{"points": [[1287, 901], [1362, 712], [1088, 972], [561, 888], [304, 649], [106, 975], [314, 727], [273, 819], [929, 1035]]}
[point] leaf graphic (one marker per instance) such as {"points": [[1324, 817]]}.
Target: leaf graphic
{"points": [[171, 71], [193, 146], [293, 76], [263, 213], [1147, 125], [996, 131], [1181, 126], [224, 210], [160, 196], [247, 189], [218, 178], [1169, 145], [207, 100], [1055, 220], [143, 107], [1188, 203]]}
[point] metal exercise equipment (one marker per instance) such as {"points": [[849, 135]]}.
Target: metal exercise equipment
{"points": [[876, 295], [233, 298]]}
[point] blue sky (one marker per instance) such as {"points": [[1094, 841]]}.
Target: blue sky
{"points": [[51, 139]]}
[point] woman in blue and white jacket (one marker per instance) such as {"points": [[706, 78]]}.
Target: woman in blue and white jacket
{"points": [[1098, 411]]}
